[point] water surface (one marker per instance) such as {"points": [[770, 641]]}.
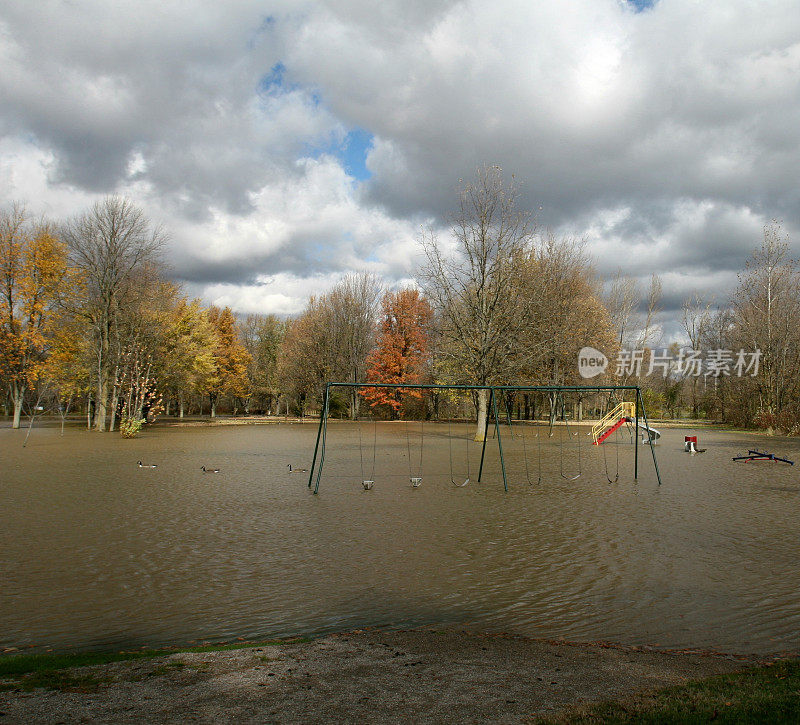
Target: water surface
{"points": [[96, 552]]}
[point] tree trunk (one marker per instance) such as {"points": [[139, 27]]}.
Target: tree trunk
{"points": [[100, 403], [101, 399], [480, 431], [17, 396], [180, 403], [114, 399]]}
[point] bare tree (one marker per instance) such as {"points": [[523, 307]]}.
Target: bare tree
{"points": [[621, 301], [696, 320], [353, 308], [475, 291], [766, 317], [331, 340], [650, 333], [110, 245]]}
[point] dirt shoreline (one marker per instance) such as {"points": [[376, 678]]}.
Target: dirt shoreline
{"points": [[420, 676]]}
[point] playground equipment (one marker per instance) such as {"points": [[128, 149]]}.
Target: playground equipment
{"points": [[755, 455], [459, 483], [367, 483], [415, 478], [690, 445], [612, 421], [617, 417], [561, 446], [555, 392]]}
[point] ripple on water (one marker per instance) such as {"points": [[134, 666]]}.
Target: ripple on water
{"points": [[97, 552]]}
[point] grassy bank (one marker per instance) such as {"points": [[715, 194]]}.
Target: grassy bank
{"points": [[29, 671], [758, 695]]}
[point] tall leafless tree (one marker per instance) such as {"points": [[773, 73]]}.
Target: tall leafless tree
{"points": [[110, 244], [475, 291], [766, 316], [696, 320]]}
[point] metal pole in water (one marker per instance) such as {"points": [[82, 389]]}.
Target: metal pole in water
{"points": [[650, 439], [324, 437], [485, 433], [499, 442], [319, 434]]}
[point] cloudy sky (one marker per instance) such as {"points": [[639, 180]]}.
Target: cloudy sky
{"points": [[283, 143]]}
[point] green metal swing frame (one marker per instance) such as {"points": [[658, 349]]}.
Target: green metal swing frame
{"points": [[315, 474]]}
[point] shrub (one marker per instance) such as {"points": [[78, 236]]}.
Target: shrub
{"points": [[129, 427]]}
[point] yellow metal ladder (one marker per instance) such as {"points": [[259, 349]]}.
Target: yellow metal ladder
{"points": [[614, 416]]}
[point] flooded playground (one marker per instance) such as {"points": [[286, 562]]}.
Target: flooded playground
{"points": [[96, 552]]}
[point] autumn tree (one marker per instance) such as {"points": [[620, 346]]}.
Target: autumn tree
{"points": [[229, 376], [331, 339], [189, 352], [565, 312], [308, 354], [109, 245], [32, 267], [401, 351], [68, 367], [475, 291], [262, 336]]}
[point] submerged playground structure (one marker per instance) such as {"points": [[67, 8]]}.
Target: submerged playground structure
{"points": [[631, 412]]}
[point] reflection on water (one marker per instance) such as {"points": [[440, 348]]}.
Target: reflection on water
{"points": [[97, 552]]}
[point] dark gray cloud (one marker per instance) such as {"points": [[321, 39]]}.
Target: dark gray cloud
{"points": [[667, 138]]}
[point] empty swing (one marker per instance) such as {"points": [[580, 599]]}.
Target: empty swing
{"points": [[368, 483], [450, 448], [561, 446], [415, 480], [525, 451]]}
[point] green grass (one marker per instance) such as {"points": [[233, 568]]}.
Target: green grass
{"points": [[758, 695], [28, 671], [16, 665]]}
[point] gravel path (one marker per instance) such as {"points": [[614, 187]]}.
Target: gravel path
{"points": [[417, 676]]}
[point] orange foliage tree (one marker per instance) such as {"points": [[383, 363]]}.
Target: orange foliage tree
{"points": [[402, 349]]}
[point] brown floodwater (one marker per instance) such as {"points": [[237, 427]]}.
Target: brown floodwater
{"points": [[96, 552]]}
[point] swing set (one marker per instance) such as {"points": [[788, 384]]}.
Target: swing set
{"points": [[557, 405]]}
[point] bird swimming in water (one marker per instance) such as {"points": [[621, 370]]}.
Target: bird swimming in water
{"points": [[368, 485], [416, 482], [209, 470], [147, 465], [297, 470]]}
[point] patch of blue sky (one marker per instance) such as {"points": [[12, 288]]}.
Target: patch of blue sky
{"points": [[351, 150], [641, 5], [273, 83], [354, 152]]}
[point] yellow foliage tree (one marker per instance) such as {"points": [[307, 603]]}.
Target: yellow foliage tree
{"points": [[33, 265], [230, 358]]}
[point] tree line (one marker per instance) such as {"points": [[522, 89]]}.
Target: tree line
{"points": [[91, 324], [88, 321]]}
